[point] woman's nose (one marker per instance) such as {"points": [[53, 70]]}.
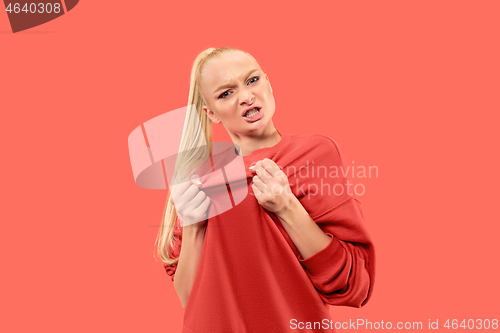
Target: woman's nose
{"points": [[246, 98]]}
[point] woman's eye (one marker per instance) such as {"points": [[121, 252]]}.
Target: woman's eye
{"points": [[224, 94], [252, 80]]}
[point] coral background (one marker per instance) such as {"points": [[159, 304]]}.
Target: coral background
{"points": [[409, 87]]}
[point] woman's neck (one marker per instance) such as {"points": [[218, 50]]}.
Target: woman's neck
{"points": [[248, 144]]}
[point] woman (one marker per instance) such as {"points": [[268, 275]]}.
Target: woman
{"points": [[277, 259]]}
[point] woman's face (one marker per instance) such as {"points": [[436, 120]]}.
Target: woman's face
{"points": [[232, 84]]}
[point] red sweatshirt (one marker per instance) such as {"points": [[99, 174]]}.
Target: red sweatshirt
{"points": [[251, 277]]}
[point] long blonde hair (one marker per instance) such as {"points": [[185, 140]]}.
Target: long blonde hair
{"points": [[194, 150]]}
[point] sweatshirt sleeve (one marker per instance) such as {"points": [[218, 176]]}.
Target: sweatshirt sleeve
{"points": [[175, 248], [341, 272]]}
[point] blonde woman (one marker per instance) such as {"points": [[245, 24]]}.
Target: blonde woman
{"points": [[295, 245]]}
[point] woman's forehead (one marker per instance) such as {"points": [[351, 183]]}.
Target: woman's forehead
{"points": [[228, 67]]}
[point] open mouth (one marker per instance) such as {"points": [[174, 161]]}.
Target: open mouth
{"points": [[252, 112]]}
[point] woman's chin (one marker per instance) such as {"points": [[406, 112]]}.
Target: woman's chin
{"points": [[259, 126]]}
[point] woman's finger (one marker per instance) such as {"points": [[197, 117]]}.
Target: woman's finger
{"points": [[256, 190], [259, 184], [265, 176], [205, 204], [197, 200], [190, 193], [196, 180], [271, 167], [180, 188]]}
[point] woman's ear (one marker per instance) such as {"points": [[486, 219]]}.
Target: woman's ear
{"points": [[211, 115]]}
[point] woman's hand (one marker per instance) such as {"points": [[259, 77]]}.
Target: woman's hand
{"points": [[270, 186], [191, 203]]}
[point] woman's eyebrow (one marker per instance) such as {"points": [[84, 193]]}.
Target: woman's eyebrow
{"points": [[229, 85]]}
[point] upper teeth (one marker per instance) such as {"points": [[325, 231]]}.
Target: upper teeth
{"points": [[251, 112]]}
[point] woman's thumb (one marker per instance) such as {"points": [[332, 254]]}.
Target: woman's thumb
{"points": [[196, 182]]}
